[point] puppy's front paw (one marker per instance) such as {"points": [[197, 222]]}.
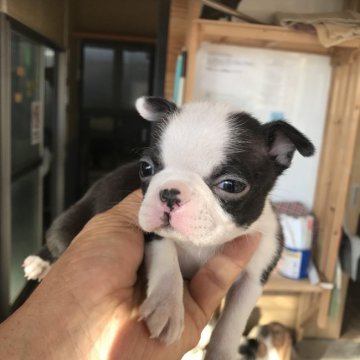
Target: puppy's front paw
{"points": [[35, 268], [164, 316]]}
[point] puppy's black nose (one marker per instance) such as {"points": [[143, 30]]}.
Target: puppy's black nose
{"points": [[170, 197]]}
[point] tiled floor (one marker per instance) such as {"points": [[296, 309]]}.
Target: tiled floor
{"points": [[329, 349], [348, 347]]}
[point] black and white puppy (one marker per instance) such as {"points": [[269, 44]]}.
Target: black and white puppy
{"points": [[206, 180]]}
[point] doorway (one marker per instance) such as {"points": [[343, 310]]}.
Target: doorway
{"points": [[114, 75]]}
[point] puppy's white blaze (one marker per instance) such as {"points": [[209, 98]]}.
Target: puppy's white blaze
{"points": [[197, 137], [144, 112]]}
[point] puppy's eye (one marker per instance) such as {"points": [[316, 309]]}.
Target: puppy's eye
{"points": [[233, 186], [146, 169]]}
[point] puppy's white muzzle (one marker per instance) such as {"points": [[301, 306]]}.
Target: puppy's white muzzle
{"points": [[179, 205]]}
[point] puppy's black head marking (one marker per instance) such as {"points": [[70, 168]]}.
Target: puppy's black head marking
{"points": [[247, 158], [150, 155], [258, 154]]}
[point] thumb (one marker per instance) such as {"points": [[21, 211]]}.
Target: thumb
{"points": [[211, 283], [128, 209], [120, 219]]}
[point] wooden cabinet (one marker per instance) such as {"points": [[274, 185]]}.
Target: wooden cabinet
{"points": [[337, 153]]}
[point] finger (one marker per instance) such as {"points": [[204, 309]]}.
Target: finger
{"points": [[128, 209], [123, 217], [211, 283], [114, 234], [111, 242]]}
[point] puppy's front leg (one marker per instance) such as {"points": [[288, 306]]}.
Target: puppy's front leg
{"points": [[163, 308], [240, 301]]}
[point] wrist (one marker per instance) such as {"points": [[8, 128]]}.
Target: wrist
{"points": [[39, 331], [18, 337]]}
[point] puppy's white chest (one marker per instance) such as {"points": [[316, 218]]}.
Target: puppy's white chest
{"points": [[192, 257]]}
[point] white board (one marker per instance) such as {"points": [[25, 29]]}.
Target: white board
{"points": [[271, 85]]}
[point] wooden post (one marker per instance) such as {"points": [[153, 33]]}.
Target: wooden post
{"points": [[176, 41], [191, 45], [325, 173], [336, 159], [182, 14], [191, 64]]}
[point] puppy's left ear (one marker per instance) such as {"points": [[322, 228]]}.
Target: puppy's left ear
{"points": [[282, 140], [154, 108]]}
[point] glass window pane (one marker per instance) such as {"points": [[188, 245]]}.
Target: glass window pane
{"points": [[27, 132], [135, 77], [98, 77], [26, 109]]}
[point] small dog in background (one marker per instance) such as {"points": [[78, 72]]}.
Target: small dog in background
{"points": [[206, 180], [274, 341]]}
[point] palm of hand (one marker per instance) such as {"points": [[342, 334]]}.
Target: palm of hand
{"points": [[99, 273]]}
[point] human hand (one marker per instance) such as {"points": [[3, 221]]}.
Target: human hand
{"points": [[85, 307]]}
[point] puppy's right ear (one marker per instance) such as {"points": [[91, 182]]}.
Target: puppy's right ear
{"points": [[154, 108]]}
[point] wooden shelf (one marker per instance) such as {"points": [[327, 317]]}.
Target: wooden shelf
{"points": [[280, 284], [342, 124], [263, 36]]}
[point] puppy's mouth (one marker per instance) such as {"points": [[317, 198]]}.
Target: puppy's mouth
{"points": [[166, 220], [167, 228]]}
